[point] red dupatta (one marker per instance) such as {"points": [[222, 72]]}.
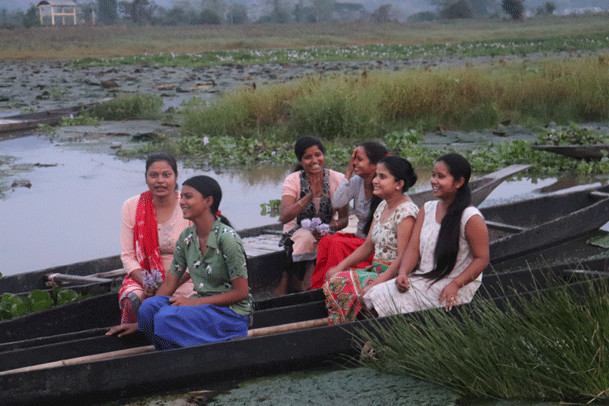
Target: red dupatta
{"points": [[146, 235]]}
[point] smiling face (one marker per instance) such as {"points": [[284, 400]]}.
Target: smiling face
{"points": [[443, 184], [161, 179], [363, 167], [313, 160], [384, 183], [193, 204]]}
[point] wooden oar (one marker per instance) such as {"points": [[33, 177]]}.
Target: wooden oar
{"points": [[149, 348], [60, 277]]}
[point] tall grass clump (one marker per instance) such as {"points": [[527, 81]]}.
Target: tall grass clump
{"points": [[370, 105], [575, 91], [129, 107], [550, 346]]}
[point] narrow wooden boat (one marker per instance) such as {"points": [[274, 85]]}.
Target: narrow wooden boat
{"points": [[134, 369], [589, 152], [30, 121], [525, 226]]}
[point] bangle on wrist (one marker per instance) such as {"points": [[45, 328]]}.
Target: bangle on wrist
{"points": [[300, 203]]}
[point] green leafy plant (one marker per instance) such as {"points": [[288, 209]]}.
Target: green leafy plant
{"points": [[12, 305], [571, 135]]}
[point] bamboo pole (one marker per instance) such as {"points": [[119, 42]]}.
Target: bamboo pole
{"points": [[282, 328]]}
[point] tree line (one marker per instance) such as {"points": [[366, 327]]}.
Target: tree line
{"points": [[226, 12]]}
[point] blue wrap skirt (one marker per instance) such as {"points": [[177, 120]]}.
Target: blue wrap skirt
{"points": [[168, 326]]}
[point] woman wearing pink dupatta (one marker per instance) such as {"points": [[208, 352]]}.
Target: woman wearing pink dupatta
{"points": [[152, 223]]}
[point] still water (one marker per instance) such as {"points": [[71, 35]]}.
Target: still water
{"points": [[72, 211]]}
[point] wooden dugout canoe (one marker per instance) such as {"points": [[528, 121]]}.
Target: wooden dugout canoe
{"points": [[145, 373], [28, 121], [589, 152]]}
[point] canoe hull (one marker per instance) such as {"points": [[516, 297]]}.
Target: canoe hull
{"points": [[234, 360]]}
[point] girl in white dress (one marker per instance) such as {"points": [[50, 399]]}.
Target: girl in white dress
{"points": [[447, 252]]}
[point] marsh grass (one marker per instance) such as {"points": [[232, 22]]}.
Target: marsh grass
{"points": [[108, 44], [552, 346], [369, 105], [128, 107]]}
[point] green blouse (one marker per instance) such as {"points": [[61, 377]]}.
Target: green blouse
{"points": [[212, 273]]}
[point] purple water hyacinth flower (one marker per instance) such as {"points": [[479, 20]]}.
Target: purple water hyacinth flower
{"points": [[152, 279], [306, 224], [315, 222], [323, 229]]}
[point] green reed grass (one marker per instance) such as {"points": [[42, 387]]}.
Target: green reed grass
{"points": [[128, 107], [370, 105], [550, 347]]}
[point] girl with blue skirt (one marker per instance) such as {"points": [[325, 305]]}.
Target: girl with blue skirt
{"points": [[213, 253]]}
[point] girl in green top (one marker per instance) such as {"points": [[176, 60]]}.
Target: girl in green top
{"points": [[213, 253]]}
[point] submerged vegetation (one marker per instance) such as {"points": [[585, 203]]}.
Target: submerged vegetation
{"points": [[548, 347]]}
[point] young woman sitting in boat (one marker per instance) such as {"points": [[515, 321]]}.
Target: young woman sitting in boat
{"points": [[151, 225], [306, 211], [214, 254], [356, 186], [392, 224], [447, 252]]}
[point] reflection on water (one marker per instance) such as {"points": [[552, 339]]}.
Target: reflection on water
{"points": [[72, 210]]}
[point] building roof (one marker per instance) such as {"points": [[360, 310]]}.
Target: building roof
{"points": [[57, 3]]}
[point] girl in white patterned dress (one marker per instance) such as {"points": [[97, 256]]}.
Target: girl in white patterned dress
{"points": [[447, 252], [393, 222]]}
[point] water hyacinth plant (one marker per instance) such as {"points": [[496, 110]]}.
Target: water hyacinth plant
{"points": [[549, 346]]}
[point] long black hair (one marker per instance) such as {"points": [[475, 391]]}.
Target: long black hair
{"points": [[400, 169], [208, 186], [304, 143], [447, 246]]}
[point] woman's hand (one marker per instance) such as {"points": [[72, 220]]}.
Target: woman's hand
{"points": [[351, 165], [316, 182], [122, 330], [182, 301], [149, 292], [449, 296], [402, 283], [332, 271]]}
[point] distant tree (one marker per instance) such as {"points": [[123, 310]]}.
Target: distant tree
{"points": [[550, 7], [423, 16], [324, 9], [108, 11], [210, 17], [237, 14], [456, 9], [461, 9], [217, 6], [31, 18], [382, 14], [514, 8], [279, 13]]}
